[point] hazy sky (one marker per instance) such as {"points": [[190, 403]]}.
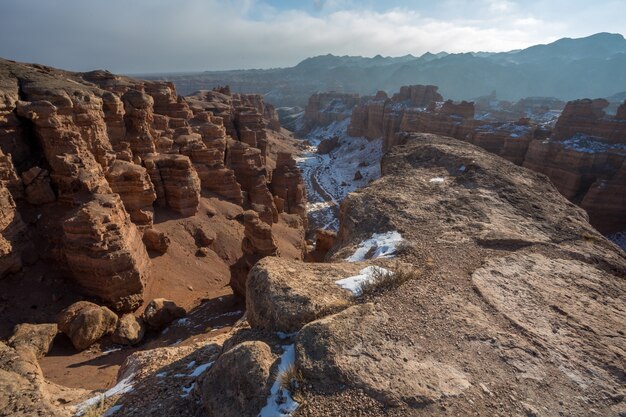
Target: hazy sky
{"points": [[132, 36]]}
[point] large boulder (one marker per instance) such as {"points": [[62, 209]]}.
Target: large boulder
{"points": [[238, 383], [156, 241], [161, 312], [284, 295], [85, 323], [130, 330]]}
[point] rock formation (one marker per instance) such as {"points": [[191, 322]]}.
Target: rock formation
{"points": [[325, 108], [104, 250], [105, 152], [586, 149], [258, 242], [287, 185]]}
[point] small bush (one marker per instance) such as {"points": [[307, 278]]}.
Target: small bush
{"points": [[383, 281]]}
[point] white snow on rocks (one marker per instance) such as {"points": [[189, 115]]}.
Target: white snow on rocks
{"points": [[380, 245], [187, 390], [591, 144], [200, 369], [354, 283], [437, 180], [280, 403], [122, 387]]}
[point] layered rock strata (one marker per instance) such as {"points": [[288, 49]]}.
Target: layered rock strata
{"points": [[103, 152]]}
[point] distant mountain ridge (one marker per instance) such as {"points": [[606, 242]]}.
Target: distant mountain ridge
{"points": [[594, 66]]}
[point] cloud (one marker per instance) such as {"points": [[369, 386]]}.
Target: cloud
{"points": [[191, 35]]}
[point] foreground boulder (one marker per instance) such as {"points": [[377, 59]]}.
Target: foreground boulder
{"points": [[516, 309], [23, 390], [161, 312], [85, 323], [285, 295], [345, 349], [237, 384]]}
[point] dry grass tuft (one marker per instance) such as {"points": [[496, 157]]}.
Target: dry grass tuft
{"points": [[291, 380], [382, 281], [96, 410]]}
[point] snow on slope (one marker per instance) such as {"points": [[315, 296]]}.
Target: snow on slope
{"points": [[329, 178]]}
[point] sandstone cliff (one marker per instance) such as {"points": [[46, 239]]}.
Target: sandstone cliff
{"points": [[91, 157]]}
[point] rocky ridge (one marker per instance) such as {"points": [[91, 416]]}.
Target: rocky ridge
{"points": [[513, 306]]}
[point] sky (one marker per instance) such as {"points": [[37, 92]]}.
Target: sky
{"points": [[145, 36]]}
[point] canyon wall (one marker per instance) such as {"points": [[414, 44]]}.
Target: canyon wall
{"points": [[96, 155]]}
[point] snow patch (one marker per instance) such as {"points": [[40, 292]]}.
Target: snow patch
{"points": [[187, 390], [200, 369], [437, 180], [380, 245], [591, 144], [161, 375], [122, 387], [280, 403], [354, 283]]}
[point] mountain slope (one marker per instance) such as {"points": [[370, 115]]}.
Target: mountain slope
{"points": [[594, 66]]}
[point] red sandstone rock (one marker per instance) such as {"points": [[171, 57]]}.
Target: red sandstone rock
{"points": [[11, 234], [258, 242], [37, 186], [175, 181], [133, 184], [105, 253], [287, 184], [588, 117]]}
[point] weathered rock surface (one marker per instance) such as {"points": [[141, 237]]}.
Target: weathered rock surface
{"points": [[288, 185], [23, 390], [37, 338], [105, 252], [12, 238], [130, 330], [343, 349], [133, 184], [238, 383], [37, 186], [325, 108], [161, 312], [85, 323], [285, 295], [175, 181]]}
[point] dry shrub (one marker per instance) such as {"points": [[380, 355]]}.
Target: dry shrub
{"points": [[383, 281], [291, 380]]}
